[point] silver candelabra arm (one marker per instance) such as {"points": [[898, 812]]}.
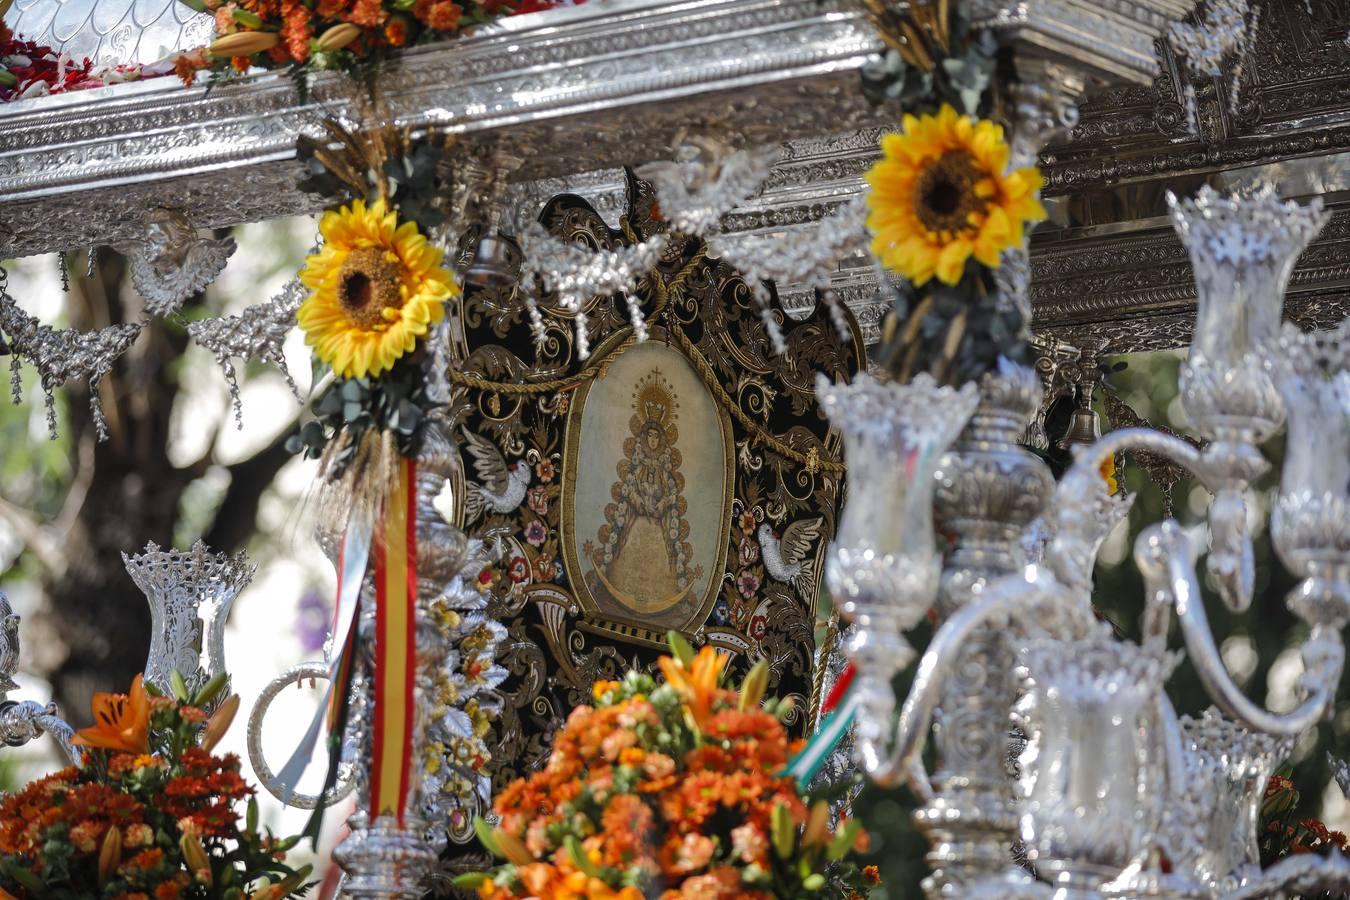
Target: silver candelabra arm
{"points": [[887, 765], [61, 732], [266, 777], [24, 721], [1221, 469], [1162, 553]]}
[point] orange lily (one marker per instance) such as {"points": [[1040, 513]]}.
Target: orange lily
{"points": [[697, 685], [219, 723], [110, 856], [121, 722]]}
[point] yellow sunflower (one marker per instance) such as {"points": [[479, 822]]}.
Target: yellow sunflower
{"points": [[942, 193], [377, 287], [1110, 476]]}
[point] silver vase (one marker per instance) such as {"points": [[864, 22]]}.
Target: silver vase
{"points": [[1242, 249], [1212, 829], [883, 567], [1310, 522], [190, 594]]}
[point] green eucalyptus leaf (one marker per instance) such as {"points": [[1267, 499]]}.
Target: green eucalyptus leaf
{"points": [[409, 411], [329, 404], [470, 881]]}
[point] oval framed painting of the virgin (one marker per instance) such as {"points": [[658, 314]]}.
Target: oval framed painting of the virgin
{"points": [[646, 496]]}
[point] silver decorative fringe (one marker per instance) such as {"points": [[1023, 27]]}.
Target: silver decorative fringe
{"points": [[61, 355], [259, 332]]}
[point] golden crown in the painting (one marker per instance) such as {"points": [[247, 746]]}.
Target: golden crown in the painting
{"points": [[655, 399]]}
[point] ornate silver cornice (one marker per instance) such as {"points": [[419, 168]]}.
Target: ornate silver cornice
{"points": [[570, 90], [1114, 277], [578, 92]]}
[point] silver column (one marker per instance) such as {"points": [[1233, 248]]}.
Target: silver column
{"points": [[989, 489]]}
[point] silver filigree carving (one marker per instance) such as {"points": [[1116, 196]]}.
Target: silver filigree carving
{"points": [[455, 786], [805, 259], [257, 333], [230, 154], [173, 262], [1225, 32], [61, 355], [1111, 41], [577, 276], [707, 180]]}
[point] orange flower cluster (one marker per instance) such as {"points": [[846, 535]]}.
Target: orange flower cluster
{"points": [[669, 790], [150, 815], [292, 32]]}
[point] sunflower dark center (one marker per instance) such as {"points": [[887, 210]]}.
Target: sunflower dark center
{"points": [[356, 290], [368, 283], [945, 196]]}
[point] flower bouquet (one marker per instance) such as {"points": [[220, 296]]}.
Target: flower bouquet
{"points": [[1282, 834], [29, 69], [334, 34], [151, 815], [671, 789]]}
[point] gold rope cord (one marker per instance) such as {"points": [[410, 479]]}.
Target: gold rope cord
{"points": [[827, 647], [811, 460]]}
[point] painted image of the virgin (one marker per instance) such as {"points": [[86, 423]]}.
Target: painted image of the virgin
{"points": [[641, 557]]}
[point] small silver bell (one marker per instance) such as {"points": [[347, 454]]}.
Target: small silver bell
{"points": [[494, 263]]}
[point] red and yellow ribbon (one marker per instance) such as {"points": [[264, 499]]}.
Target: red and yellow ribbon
{"points": [[395, 647]]}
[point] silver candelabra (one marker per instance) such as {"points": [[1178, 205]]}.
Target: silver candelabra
{"points": [[1108, 779]]}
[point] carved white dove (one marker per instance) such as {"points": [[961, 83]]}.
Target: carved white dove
{"points": [[785, 557], [500, 488]]}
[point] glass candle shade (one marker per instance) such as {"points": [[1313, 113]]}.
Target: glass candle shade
{"points": [[1243, 248]]}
